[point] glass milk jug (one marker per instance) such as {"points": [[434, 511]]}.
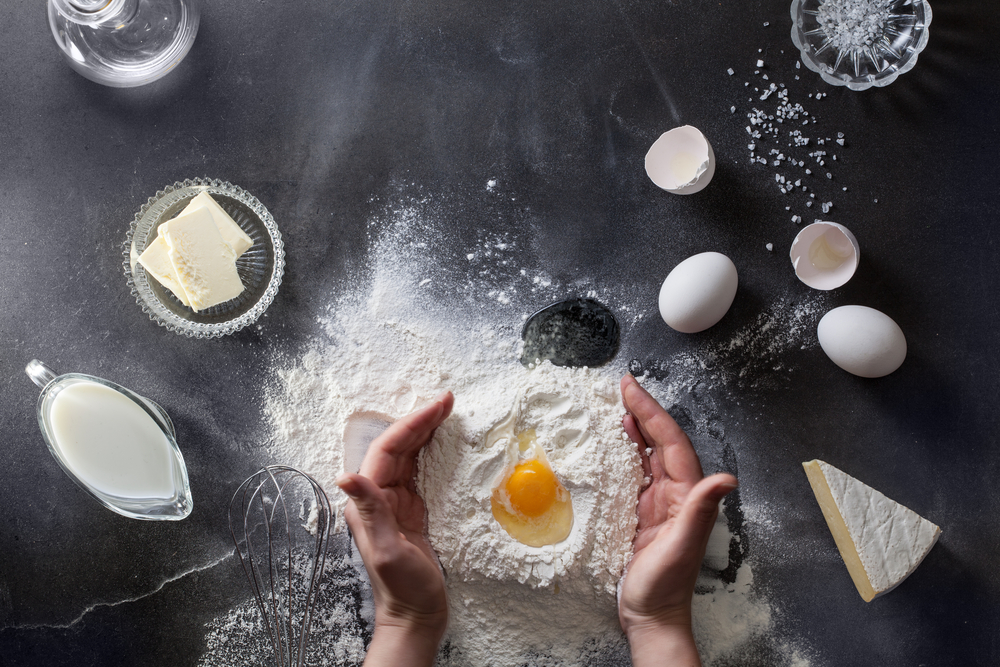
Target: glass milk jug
{"points": [[119, 447]]}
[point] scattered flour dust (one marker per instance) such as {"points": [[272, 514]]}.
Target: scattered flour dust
{"points": [[389, 345], [510, 603]]}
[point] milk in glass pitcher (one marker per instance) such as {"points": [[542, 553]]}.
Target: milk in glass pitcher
{"points": [[119, 447]]}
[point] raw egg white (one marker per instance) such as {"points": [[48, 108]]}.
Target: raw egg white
{"points": [[528, 501]]}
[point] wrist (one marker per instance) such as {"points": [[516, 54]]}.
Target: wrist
{"points": [[403, 644], [654, 641]]}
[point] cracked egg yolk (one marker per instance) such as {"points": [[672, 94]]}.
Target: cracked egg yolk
{"points": [[529, 502]]}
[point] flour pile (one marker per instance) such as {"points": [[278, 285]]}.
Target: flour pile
{"points": [[391, 351], [500, 587], [423, 321]]}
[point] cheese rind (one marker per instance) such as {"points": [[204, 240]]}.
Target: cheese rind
{"points": [[881, 541], [231, 233], [156, 260], [204, 262]]}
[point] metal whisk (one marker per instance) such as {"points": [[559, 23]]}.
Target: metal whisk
{"points": [[271, 540]]}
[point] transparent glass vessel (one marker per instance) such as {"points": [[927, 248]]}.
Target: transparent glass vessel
{"points": [[138, 477], [860, 44], [260, 268], [124, 43]]}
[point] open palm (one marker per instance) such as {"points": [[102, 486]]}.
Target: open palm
{"points": [[676, 513], [386, 517]]}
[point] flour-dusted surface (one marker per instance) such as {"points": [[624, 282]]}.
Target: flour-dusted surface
{"points": [[388, 349], [424, 319], [576, 415], [554, 599]]}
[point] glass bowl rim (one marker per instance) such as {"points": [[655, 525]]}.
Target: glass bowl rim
{"points": [[176, 323], [848, 81]]}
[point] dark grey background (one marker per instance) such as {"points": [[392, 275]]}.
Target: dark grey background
{"points": [[318, 108]]}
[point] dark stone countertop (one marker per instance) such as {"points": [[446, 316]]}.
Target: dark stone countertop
{"points": [[321, 109]]}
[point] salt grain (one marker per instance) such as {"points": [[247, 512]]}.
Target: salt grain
{"points": [[853, 24]]}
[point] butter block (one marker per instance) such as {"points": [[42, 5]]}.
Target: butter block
{"points": [[204, 262], [156, 260], [237, 239], [881, 541]]}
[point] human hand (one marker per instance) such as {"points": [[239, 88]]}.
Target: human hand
{"points": [[676, 514], [386, 517]]}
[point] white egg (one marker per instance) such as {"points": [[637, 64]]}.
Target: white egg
{"points": [[698, 292], [681, 161], [862, 341]]}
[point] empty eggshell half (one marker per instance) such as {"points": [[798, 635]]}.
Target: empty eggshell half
{"points": [[862, 341], [681, 161], [825, 255]]}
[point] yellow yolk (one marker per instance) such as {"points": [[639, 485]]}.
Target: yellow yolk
{"points": [[531, 488], [528, 501]]}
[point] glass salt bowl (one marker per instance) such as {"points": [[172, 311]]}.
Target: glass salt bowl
{"points": [[260, 268], [870, 46]]}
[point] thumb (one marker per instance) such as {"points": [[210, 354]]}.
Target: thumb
{"points": [[373, 521], [701, 507]]}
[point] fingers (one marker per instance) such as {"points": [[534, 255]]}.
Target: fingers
{"points": [[673, 450], [700, 509], [400, 442], [632, 431], [373, 522]]}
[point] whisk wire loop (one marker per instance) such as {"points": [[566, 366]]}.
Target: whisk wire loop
{"points": [[261, 503]]}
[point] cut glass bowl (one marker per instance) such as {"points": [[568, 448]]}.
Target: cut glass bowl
{"points": [[860, 43], [260, 268]]}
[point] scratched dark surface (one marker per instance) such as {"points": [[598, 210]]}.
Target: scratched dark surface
{"points": [[321, 109]]}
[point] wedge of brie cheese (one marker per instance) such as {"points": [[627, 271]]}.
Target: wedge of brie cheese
{"points": [[881, 541], [205, 264], [231, 233], [157, 263]]}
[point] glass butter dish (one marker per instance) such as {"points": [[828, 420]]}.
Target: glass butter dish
{"points": [[260, 268], [119, 447]]}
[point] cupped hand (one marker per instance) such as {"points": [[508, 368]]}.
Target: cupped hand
{"points": [[386, 517], [676, 514]]}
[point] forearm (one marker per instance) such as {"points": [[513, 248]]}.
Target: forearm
{"points": [[395, 646], [664, 646]]}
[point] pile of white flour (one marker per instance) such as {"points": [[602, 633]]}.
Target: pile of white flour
{"points": [[421, 322], [576, 415], [387, 354], [553, 598]]}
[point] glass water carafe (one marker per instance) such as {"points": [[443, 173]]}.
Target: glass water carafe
{"points": [[124, 43]]}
